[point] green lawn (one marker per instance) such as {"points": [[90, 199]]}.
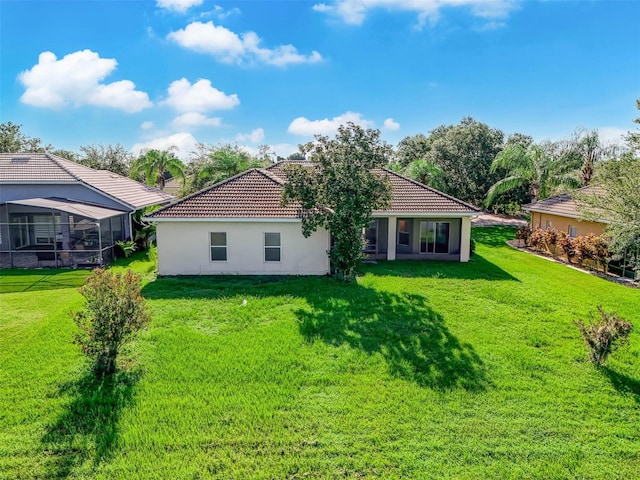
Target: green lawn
{"points": [[420, 370]]}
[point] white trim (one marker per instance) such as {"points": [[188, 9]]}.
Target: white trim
{"points": [[425, 214], [224, 219]]}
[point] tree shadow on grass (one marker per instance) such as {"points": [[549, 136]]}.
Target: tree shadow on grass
{"points": [[88, 428], [14, 280], [624, 384], [478, 268], [411, 337]]}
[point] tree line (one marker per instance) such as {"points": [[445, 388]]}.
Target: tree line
{"points": [[470, 161]]}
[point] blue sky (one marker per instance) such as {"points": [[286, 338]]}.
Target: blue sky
{"points": [[175, 72]]}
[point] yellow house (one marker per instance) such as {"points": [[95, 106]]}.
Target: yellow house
{"points": [[561, 212]]}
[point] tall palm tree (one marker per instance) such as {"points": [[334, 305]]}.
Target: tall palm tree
{"points": [[534, 167], [154, 164]]}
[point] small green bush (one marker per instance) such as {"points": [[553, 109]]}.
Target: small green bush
{"points": [[604, 335], [114, 312]]}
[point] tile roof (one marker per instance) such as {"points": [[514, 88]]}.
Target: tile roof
{"points": [[254, 193], [563, 205], [258, 193], [48, 168]]}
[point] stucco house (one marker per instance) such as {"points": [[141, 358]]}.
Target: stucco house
{"points": [[55, 212], [239, 226], [562, 213]]}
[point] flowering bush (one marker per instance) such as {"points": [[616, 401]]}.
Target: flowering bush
{"points": [[604, 335]]}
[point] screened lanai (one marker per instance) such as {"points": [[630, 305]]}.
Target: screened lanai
{"points": [[58, 232]]}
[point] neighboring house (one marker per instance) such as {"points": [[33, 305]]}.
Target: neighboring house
{"points": [[562, 213], [239, 226], [173, 186], [55, 212]]}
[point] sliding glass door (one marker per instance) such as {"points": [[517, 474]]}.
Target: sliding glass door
{"points": [[434, 237]]}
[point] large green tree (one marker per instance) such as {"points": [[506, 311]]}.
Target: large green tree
{"points": [[114, 158], [463, 153], [536, 168], [13, 140], [212, 164], [154, 165], [618, 200], [341, 190]]}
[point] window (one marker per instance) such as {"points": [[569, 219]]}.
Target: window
{"points": [[403, 232], [434, 237], [573, 231], [371, 237], [272, 247], [218, 242], [548, 224]]}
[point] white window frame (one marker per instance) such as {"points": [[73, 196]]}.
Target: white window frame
{"points": [[271, 247], [575, 231], [212, 246], [548, 225]]}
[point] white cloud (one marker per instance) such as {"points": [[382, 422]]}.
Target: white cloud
{"points": [[611, 135], [180, 6], [229, 47], [221, 13], [183, 141], [148, 125], [256, 136], [76, 80], [355, 11], [199, 97], [195, 119], [304, 126], [389, 124]]}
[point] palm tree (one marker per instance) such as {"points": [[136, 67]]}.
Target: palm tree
{"points": [[534, 167], [154, 164]]}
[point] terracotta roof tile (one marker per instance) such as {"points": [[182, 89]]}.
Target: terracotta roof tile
{"points": [[254, 193], [564, 204], [48, 168], [258, 193]]}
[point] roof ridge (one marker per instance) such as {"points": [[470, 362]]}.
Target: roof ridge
{"points": [[270, 175], [434, 190], [210, 187], [56, 159]]}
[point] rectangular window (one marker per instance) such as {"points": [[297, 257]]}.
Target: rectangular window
{"points": [[272, 247], [434, 237], [403, 232], [573, 231], [218, 242], [371, 237], [548, 224]]}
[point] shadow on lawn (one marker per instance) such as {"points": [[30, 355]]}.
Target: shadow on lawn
{"points": [[410, 336], [88, 428], [624, 384], [478, 268]]}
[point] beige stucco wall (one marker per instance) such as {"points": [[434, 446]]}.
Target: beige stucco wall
{"points": [[583, 227], [184, 249]]}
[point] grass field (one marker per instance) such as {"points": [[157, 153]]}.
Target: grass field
{"points": [[420, 370]]}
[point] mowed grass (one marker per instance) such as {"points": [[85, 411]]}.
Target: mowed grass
{"points": [[420, 370]]}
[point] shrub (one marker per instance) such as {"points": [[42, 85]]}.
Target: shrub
{"points": [[551, 240], [601, 252], [536, 239], [114, 312], [524, 235], [565, 242], [584, 246], [604, 335], [128, 247]]}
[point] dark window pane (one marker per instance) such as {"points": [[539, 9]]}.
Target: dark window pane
{"points": [[272, 239], [218, 239], [272, 254], [219, 254], [442, 238]]}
